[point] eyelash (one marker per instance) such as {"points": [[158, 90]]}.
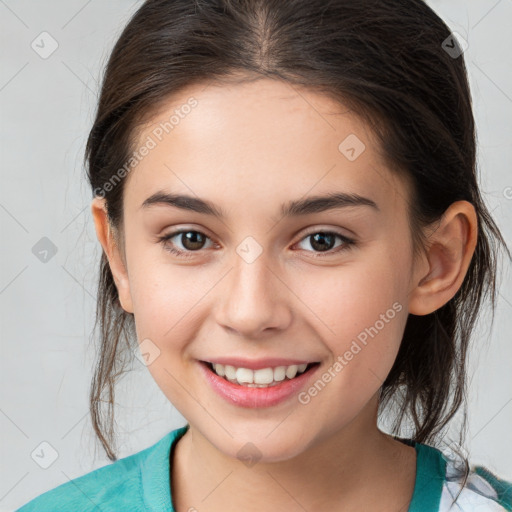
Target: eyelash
{"points": [[348, 243]]}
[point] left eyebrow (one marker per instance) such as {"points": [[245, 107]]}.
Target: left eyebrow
{"points": [[308, 205], [331, 201]]}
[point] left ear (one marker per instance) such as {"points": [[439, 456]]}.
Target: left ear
{"points": [[451, 245]]}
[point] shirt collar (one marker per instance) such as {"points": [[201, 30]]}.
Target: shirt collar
{"points": [[157, 495]]}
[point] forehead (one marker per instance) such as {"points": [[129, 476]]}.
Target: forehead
{"points": [[261, 141]]}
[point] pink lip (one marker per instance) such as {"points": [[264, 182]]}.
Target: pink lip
{"points": [[256, 364], [253, 398]]}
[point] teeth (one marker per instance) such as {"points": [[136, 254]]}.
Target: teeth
{"points": [[291, 371], [258, 378], [219, 370], [245, 376]]}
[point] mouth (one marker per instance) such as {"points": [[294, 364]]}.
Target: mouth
{"points": [[270, 389], [264, 378]]}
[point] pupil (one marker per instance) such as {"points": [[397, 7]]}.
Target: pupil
{"points": [[191, 238], [319, 238]]}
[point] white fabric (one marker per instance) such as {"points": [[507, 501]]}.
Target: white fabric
{"points": [[478, 495]]}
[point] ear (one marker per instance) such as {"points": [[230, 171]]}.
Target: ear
{"points": [[110, 245], [451, 244]]}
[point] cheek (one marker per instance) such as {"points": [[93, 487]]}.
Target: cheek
{"points": [[346, 299], [157, 292], [163, 303], [359, 311]]}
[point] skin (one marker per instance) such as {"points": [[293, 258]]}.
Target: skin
{"points": [[249, 148]]}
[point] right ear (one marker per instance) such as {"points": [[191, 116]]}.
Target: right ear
{"points": [[106, 237]]}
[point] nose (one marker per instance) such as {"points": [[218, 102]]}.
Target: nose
{"points": [[254, 299]]}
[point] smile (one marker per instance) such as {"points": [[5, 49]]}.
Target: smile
{"points": [[265, 377], [254, 395]]}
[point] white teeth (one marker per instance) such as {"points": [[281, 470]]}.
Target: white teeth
{"points": [[263, 376], [279, 373], [219, 369], [291, 371], [230, 372], [244, 376], [258, 378]]}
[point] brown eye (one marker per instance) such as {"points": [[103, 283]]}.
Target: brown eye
{"points": [[190, 240], [324, 242]]}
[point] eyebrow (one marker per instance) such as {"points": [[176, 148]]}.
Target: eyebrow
{"points": [[309, 205]]}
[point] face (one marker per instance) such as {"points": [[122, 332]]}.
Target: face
{"points": [[327, 285]]}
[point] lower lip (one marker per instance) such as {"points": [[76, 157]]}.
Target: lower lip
{"points": [[253, 398]]}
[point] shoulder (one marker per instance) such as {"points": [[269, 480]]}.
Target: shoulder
{"points": [[103, 486], [445, 482], [482, 491], [116, 486]]}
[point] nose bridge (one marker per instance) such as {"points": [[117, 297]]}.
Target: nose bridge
{"points": [[252, 300]]}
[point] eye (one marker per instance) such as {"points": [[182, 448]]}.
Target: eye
{"points": [[323, 241], [191, 240]]}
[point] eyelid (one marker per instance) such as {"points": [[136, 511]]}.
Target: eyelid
{"points": [[347, 242], [179, 231], [324, 229]]}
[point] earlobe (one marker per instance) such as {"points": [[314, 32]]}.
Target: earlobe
{"points": [[450, 248], [110, 246]]}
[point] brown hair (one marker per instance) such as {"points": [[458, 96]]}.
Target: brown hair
{"points": [[384, 59]]}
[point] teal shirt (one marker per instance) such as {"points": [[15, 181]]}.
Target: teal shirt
{"points": [[141, 482]]}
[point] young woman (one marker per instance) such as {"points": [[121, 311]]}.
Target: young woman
{"points": [[296, 246]]}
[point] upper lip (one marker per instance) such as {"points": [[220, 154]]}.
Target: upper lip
{"points": [[256, 364]]}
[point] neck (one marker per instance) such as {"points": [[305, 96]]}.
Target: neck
{"points": [[337, 468]]}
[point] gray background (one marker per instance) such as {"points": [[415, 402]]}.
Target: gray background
{"points": [[47, 309]]}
